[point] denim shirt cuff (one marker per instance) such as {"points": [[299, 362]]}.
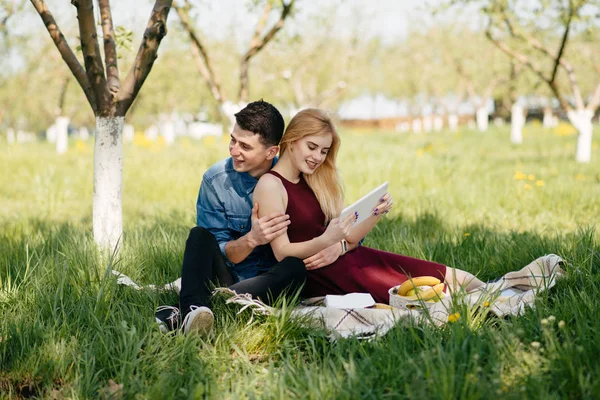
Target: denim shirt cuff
{"points": [[222, 247]]}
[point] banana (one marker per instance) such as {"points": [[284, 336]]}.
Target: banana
{"points": [[434, 293], [418, 281]]}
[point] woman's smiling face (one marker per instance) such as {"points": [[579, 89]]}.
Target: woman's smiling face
{"points": [[310, 152]]}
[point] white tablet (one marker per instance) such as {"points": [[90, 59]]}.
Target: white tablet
{"points": [[365, 205]]}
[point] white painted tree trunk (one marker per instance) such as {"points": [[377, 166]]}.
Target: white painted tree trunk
{"points": [[582, 121], [416, 125], [62, 134], [108, 183], [51, 134], [482, 119], [128, 133], [84, 134], [427, 123], [453, 122], [229, 109], [10, 135], [438, 123], [548, 119], [517, 120]]}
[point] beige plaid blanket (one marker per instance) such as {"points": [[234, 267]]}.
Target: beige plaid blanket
{"points": [[509, 295]]}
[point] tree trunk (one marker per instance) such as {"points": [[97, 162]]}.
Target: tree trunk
{"points": [[438, 123], [62, 134], [453, 122], [427, 123], [482, 118], [548, 120], [582, 121], [517, 120], [416, 125], [10, 135], [108, 183]]}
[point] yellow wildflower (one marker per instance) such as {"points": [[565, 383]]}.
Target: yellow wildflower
{"points": [[580, 177], [531, 177], [486, 303], [527, 186], [539, 182], [519, 176], [467, 234], [453, 317]]}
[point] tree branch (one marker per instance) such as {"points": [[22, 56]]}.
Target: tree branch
{"points": [[561, 48], [594, 100], [91, 53], [156, 29], [201, 56], [110, 48], [66, 53], [521, 58], [257, 45], [556, 57]]}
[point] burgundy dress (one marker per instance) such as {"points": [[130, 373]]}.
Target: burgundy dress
{"points": [[363, 269]]}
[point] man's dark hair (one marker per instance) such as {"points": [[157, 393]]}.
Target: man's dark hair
{"points": [[264, 120]]}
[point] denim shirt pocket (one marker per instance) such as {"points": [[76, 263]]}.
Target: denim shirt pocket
{"points": [[239, 225]]}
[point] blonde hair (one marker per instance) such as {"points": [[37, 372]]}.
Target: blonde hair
{"points": [[325, 182]]}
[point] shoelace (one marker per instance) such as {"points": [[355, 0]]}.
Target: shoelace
{"points": [[174, 317], [187, 317]]}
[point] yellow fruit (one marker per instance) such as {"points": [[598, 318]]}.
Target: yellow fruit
{"points": [[433, 293], [411, 292], [415, 282]]}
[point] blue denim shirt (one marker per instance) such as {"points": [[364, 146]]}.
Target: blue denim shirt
{"points": [[224, 207]]}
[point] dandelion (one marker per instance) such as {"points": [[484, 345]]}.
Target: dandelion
{"points": [[467, 234], [580, 177], [519, 176], [486, 303], [531, 177], [527, 186], [536, 345], [539, 182], [561, 324], [453, 317]]}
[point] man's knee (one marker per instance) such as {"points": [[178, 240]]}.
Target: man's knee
{"points": [[295, 269], [199, 234]]}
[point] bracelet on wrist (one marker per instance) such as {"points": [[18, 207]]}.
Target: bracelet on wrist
{"points": [[344, 246]]}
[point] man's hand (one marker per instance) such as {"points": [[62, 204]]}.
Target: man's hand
{"points": [[268, 227], [323, 258]]}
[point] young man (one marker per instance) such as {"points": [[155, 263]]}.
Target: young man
{"points": [[230, 245]]}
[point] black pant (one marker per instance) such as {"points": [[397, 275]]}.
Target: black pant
{"points": [[203, 264]]}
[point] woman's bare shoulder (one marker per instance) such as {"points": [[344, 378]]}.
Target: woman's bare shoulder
{"points": [[269, 183]]}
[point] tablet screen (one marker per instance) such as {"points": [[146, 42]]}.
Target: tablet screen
{"points": [[365, 205]]}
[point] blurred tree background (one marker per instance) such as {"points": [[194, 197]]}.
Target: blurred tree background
{"points": [[436, 61]]}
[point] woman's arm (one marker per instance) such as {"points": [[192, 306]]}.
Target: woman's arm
{"points": [[271, 196], [361, 230]]}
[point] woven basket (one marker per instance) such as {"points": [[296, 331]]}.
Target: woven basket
{"points": [[404, 304]]}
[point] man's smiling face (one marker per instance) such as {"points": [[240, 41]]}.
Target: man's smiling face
{"points": [[249, 153]]}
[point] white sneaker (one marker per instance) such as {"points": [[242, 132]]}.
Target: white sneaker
{"points": [[200, 320]]}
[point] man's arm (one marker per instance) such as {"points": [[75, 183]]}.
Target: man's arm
{"points": [[211, 215]]}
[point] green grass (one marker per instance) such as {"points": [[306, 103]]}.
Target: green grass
{"points": [[68, 331]]}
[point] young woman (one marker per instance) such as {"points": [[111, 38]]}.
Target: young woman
{"points": [[305, 184]]}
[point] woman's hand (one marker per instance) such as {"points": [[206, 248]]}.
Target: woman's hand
{"points": [[384, 206], [339, 229], [324, 258]]}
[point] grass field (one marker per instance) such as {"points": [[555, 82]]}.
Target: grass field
{"points": [[469, 200]]}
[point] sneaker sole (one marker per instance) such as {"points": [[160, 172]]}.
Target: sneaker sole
{"points": [[202, 324]]}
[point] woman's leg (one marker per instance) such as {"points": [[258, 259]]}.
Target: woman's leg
{"points": [[457, 279]]}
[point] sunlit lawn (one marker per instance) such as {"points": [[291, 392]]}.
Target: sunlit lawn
{"points": [[468, 199]]}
